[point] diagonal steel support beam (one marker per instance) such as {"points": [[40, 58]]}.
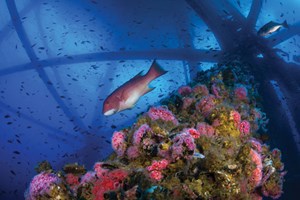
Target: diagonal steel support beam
{"points": [[58, 134], [20, 30], [35, 64], [284, 35], [288, 113], [254, 13], [237, 15], [212, 13], [163, 54], [6, 30]]}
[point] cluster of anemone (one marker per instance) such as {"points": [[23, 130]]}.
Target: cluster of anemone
{"points": [[202, 143]]}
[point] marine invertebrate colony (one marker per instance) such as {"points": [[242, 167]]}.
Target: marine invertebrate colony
{"points": [[42, 182], [206, 148]]}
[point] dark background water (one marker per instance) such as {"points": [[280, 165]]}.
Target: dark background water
{"points": [[61, 58]]}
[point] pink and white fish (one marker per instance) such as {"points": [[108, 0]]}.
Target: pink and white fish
{"points": [[126, 96]]}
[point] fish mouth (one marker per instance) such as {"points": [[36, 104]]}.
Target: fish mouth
{"points": [[110, 112]]}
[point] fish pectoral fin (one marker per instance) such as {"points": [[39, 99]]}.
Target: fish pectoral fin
{"points": [[132, 106], [129, 103], [131, 100]]}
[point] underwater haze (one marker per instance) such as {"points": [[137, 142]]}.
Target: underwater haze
{"points": [[137, 99]]}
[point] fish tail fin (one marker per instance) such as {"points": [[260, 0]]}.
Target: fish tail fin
{"points": [[155, 71], [285, 25]]}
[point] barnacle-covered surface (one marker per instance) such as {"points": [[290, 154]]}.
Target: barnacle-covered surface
{"points": [[203, 142]]}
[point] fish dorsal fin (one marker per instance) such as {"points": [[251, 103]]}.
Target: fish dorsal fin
{"points": [[272, 23]]}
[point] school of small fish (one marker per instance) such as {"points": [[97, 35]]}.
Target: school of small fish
{"points": [[11, 116]]}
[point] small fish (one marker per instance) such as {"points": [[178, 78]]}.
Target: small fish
{"points": [[129, 93], [225, 11], [198, 155], [271, 27], [113, 126], [16, 152]]}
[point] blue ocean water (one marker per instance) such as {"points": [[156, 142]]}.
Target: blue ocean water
{"points": [[60, 59]]}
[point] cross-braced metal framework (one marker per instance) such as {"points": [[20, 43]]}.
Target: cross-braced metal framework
{"points": [[232, 42], [279, 81]]}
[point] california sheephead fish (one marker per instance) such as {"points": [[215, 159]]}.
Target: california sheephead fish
{"points": [[129, 93], [271, 27]]}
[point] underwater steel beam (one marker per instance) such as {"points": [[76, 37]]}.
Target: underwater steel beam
{"points": [[206, 12], [11, 5], [278, 107], [288, 114], [16, 68], [39, 123], [222, 27], [284, 35], [176, 54], [6, 28], [165, 54], [253, 14], [185, 38], [233, 11], [20, 30]]}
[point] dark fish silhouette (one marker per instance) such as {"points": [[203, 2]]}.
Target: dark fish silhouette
{"points": [[271, 27], [129, 93]]}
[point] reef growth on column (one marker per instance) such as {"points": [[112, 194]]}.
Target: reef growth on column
{"points": [[203, 142]]}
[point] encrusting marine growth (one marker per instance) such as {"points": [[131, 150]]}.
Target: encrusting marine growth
{"points": [[203, 142]]}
